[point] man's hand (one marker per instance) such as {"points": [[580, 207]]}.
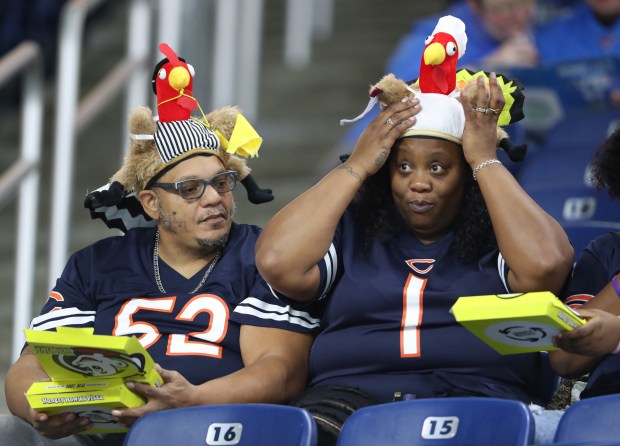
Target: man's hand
{"points": [[176, 392], [58, 426]]}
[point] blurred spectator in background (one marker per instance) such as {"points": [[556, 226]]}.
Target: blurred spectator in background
{"points": [[32, 20], [35, 20], [589, 37], [500, 32]]}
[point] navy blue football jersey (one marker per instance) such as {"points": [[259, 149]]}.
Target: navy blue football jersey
{"points": [[595, 267], [597, 264], [111, 286], [388, 327]]}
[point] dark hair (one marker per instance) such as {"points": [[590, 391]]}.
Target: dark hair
{"points": [[606, 165], [379, 219]]}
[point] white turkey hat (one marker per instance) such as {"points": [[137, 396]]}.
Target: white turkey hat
{"points": [[440, 117], [456, 28]]}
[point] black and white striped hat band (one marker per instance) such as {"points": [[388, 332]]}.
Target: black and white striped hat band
{"points": [[178, 137]]}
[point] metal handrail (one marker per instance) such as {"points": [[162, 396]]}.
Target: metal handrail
{"points": [[73, 116], [237, 50], [250, 48], [298, 33], [26, 59], [305, 20]]}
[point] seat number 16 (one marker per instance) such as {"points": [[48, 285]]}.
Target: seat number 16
{"points": [[224, 433]]}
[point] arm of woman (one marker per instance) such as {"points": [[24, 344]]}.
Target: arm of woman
{"points": [[534, 245], [583, 348], [298, 236]]}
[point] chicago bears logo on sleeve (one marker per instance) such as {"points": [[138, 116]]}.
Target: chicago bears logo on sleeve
{"points": [[577, 300]]}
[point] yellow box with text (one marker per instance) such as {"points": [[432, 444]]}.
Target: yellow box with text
{"points": [[92, 399], [76, 353], [88, 373], [516, 323]]}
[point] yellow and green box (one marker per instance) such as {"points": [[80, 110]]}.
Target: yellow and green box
{"points": [[70, 354], [93, 399], [88, 374], [516, 323]]}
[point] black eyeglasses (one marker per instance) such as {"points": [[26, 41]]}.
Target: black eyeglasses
{"points": [[192, 189]]}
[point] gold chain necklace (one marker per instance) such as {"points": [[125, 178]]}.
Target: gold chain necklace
{"points": [[156, 268]]}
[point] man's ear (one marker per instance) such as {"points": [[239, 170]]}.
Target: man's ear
{"points": [[150, 203]]}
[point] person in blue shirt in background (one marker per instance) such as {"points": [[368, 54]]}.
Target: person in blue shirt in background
{"points": [[500, 30], [588, 34]]}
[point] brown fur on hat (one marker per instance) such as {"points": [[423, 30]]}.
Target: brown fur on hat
{"points": [[142, 161], [390, 90]]}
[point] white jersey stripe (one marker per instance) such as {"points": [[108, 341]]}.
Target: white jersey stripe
{"points": [[501, 267], [272, 308], [264, 310], [334, 257], [275, 317], [86, 321], [59, 314], [331, 265]]}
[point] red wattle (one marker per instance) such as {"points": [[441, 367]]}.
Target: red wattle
{"points": [[187, 103], [439, 79]]}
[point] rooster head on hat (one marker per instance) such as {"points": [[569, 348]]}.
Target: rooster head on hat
{"points": [[443, 48], [173, 81]]}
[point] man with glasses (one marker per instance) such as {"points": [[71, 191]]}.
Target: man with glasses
{"points": [[194, 188], [186, 286]]}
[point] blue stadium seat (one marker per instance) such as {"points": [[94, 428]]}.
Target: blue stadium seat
{"points": [[581, 234], [559, 183], [563, 161], [227, 424], [575, 204], [589, 421], [590, 443], [583, 212], [583, 129], [552, 170], [446, 421]]}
